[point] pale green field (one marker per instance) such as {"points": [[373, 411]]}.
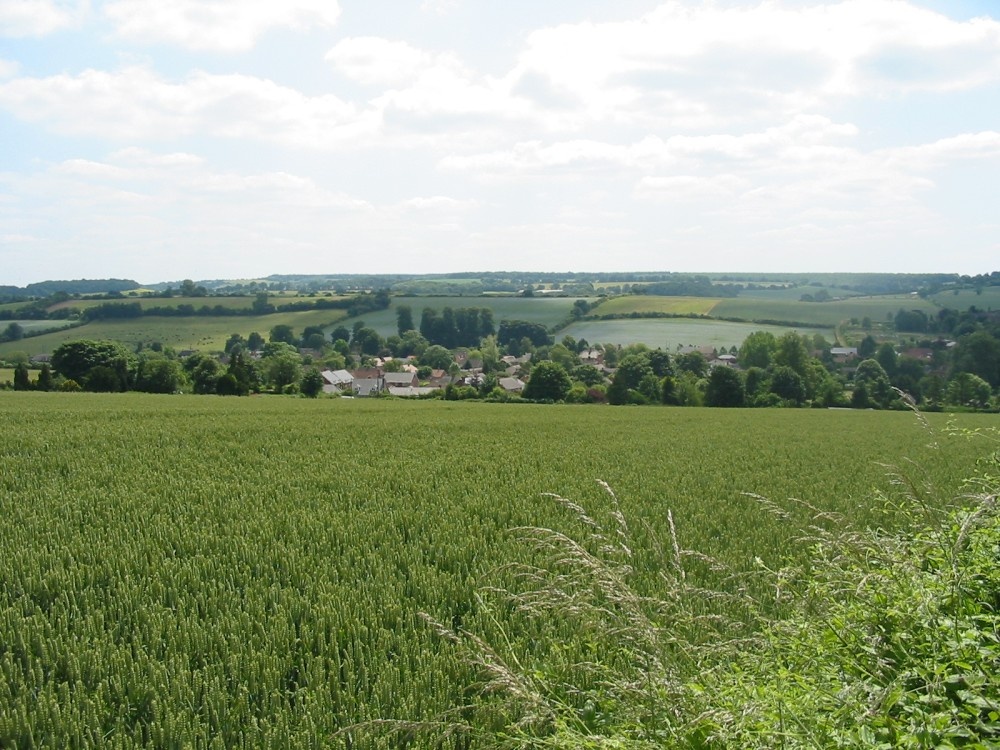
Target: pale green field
{"points": [[220, 572], [879, 309], [989, 299], [650, 304], [669, 333], [794, 293], [202, 333]]}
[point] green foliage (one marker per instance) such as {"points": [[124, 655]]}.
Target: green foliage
{"points": [[878, 639], [76, 360], [725, 388], [548, 381], [311, 384], [22, 380], [159, 376]]}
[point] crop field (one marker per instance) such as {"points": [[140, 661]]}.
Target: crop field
{"points": [[963, 299], [209, 572], [794, 293], [669, 333], [632, 303], [205, 333], [821, 313], [230, 303], [546, 311]]}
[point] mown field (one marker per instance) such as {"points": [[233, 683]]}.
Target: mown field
{"points": [[208, 572], [204, 333], [669, 333]]}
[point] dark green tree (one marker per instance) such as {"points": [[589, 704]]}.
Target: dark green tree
{"points": [[886, 356], [341, 332], [867, 347], [873, 381], [311, 384], [283, 333], [549, 381], [694, 363], [22, 381], [404, 319], [234, 339], [255, 342], [45, 379], [103, 379], [159, 376], [203, 371], [13, 332], [725, 388], [788, 384], [368, 341], [74, 360], [979, 353], [757, 350]]}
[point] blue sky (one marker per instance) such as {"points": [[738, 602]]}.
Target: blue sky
{"points": [[169, 139]]}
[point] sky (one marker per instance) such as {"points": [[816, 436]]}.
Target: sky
{"points": [[159, 140]]}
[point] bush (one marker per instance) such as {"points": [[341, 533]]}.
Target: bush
{"points": [[885, 640]]}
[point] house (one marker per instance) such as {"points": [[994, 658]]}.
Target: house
{"points": [[367, 386], [724, 360], [337, 380], [439, 379], [512, 385], [400, 379], [842, 354], [920, 353], [593, 357], [367, 373]]}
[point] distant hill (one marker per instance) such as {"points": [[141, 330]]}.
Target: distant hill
{"points": [[77, 286]]}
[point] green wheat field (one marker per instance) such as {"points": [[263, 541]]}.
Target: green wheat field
{"points": [[201, 572]]}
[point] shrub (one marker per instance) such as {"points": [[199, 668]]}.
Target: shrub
{"points": [[886, 640]]}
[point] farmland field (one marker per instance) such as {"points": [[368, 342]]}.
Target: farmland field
{"points": [[205, 333], [546, 311], [641, 303], [230, 303], [794, 293], [988, 299], [668, 333], [820, 313], [210, 572]]}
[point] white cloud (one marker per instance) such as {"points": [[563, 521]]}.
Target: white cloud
{"points": [[440, 7], [984, 145], [373, 60], [441, 203], [686, 187], [218, 25], [134, 103], [697, 65], [8, 68], [21, 18]]}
